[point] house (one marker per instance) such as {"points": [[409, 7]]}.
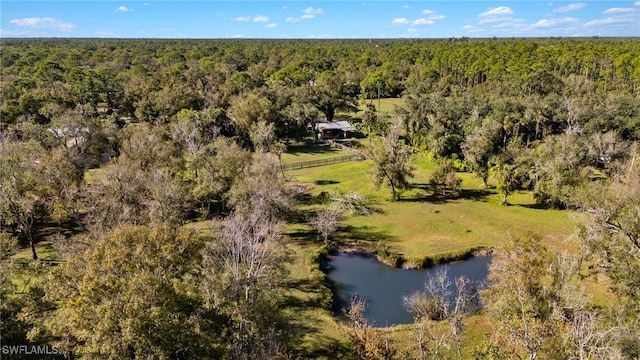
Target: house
{"points": [[334, 130]]}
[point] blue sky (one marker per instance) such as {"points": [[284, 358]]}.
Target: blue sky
{"points": [[318, 19]]}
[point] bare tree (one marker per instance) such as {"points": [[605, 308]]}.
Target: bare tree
{"points": [[367, 342], [441, 300], [262, 135], [326, 222], [186, 129]]}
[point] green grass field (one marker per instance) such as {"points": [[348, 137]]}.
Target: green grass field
{"points": [[386, 105], [421, 225]]}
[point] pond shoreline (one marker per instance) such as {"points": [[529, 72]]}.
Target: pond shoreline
{"points": [[353, 272], [398, 261]]}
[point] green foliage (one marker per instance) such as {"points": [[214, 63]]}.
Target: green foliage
{"points": [[564, 105], [133, 294], [518, 299], [558, 170], [392, 162], [444, 180], [610, 232], [478, 148], [22, 191], [213, 170]]}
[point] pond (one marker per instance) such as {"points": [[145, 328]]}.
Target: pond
{"points": [[384, 286]]}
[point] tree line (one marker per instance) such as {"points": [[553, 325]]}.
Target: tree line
{"points": [[121, 144]]}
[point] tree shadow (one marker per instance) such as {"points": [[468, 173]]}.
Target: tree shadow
{"points": [[475, 194], [535, 206], [314, 299], [307, 199], [313, 149], [429, 195], [326, 182], [363, 234]]}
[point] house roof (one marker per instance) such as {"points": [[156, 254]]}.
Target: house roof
{"points": [[338, 125]]}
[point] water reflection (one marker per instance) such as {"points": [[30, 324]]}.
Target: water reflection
{"points": [[384, 286]]}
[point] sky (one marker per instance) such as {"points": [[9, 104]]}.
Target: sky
{"points": [[302, 19]]}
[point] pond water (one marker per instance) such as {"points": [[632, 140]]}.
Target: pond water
{"points": [[384, 286]]}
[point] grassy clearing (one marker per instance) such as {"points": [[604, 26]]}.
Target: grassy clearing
{"points": [[44, 249], [425, 226], [387, 105]]}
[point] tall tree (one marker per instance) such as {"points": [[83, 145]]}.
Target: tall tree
{"points": [[480, 146], [332, 91], [611, 231], [133, 295], [519, 300], [22, 199], [391, 159]]}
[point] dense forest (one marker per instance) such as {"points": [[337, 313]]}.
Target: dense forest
{"points": [[119, 151]]}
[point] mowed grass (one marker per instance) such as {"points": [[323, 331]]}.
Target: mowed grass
{"points": [[386, 105], [317, 334], [422, 225], [309, 152]]}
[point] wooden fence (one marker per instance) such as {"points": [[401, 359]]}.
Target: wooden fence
{"points": [[320, 162]]}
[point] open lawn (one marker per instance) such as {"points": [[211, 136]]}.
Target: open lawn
{"points": [[308, 304], [422, 225], [387, 105]]}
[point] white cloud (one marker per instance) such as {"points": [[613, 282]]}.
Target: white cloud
{"points": [[472, 29], [104, 33], [237, 36], [256, 18], [427, 11], [405, 6], [616, 10], [611, 20], [511, 25], [43, 23], [570, 7], [637, 3], [400, 21], [499, 11], [422, 21], [123, 9], [436, 17], [307, 14], [313, 11], [270, 26], [547, 23]]}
